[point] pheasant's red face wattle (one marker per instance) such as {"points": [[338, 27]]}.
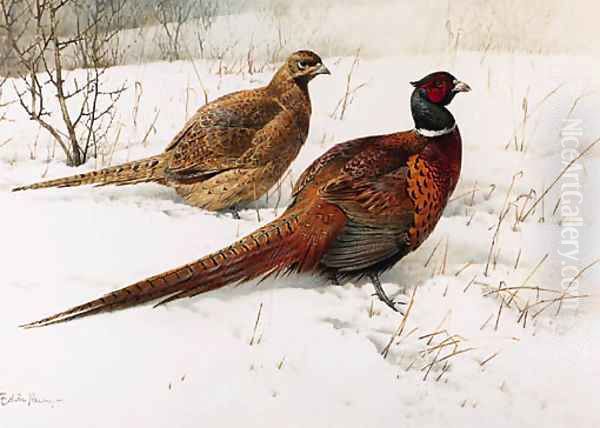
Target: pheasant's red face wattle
{"points": [[437, 90], [437, 87]]}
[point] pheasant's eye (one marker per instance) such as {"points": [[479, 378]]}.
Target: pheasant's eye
{"points": [[438, 84], [302, 65]]}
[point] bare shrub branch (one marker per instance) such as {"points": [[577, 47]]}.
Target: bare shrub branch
{"points": [[35, 32]]}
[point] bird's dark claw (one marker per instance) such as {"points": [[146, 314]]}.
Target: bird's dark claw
{"points": [[235, 212], [379, 292]]}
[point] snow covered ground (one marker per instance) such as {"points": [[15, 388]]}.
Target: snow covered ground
{"points": [[315, 356]]}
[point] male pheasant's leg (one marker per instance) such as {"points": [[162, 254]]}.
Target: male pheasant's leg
{"points": [[333, 277], [381, 293]]}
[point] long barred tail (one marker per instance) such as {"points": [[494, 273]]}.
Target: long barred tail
{"points": [[282, 246], [144, 170]]}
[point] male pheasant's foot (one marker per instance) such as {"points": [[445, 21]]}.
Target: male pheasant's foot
{"points": [[382, 296]]}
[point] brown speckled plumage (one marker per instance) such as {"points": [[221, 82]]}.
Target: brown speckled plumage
{"points": [[233, 150], [356, 211], [430, 181]]}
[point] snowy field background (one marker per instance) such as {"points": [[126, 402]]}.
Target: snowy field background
{"points": [[315, 357]]}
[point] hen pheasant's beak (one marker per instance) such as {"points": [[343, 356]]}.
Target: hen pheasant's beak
{"points": [[460, 87], [321, 69]]}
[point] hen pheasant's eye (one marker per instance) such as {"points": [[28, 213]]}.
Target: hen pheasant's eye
{"points": [[302, 65]]}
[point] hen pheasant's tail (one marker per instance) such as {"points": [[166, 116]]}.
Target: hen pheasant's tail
{"points": [[143, 170], [279, 247]]}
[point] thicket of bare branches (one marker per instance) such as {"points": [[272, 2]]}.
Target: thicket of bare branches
{"points": [[173, 14], [43, 52]]}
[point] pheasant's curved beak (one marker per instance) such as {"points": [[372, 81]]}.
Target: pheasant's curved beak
{"points": [[460, 87], [321, 69]]}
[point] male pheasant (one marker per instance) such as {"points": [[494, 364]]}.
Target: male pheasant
{"points": [[357, 210], [233, 150]]}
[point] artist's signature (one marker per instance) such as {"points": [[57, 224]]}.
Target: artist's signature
{"points": [[25, 399]]}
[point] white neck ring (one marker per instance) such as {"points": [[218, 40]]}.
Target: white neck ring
{"points": [[437, 133]]}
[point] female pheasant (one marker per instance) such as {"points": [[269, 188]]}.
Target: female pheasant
{"points": [[357, 210], [233, 150]]}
